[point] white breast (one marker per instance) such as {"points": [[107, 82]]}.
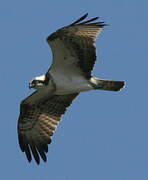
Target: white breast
{"points": [[68, 84], [66, 74]]}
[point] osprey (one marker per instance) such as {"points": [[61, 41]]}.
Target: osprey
{"points": [[74, 55]]}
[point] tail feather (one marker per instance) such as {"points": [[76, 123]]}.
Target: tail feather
{"points": [[106, 84]]}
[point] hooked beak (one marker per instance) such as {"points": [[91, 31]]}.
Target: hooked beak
{"points": [[31, 85]]}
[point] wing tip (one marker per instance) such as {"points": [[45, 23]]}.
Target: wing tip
{"points": [[51, 37], [37, 151], [88, 22], [54, 35], [100, 24], [79, 20]]}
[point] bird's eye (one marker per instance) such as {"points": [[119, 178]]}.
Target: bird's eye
{"points": [[33, 82]]}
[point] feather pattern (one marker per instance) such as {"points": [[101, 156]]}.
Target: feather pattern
{"points": [[74, 55], [78, 39], [37, 123]]}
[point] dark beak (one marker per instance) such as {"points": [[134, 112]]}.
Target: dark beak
{"points": [[31, 85]]}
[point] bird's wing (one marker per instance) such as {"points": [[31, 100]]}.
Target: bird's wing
{"points": [[73, 46], [38, 121]]}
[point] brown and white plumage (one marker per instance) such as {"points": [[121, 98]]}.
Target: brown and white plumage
{"points": [[77, 41], [74, 56], [37, 123]]}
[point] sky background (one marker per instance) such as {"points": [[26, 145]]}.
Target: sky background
{"points": [[103, 135]]}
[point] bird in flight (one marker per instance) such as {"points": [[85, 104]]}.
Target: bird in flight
{"points": [[74, 55]]}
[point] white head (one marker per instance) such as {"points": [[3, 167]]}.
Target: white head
{"points": [[40, 81]]}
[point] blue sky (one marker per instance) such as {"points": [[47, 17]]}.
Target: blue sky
{"points": [[103, 135]]}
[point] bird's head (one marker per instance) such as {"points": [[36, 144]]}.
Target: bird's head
{"points": [[39, 82]]}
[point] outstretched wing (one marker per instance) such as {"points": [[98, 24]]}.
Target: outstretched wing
{"points": [[73, 46], [37, 123]]}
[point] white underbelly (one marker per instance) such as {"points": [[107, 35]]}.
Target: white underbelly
{"points": [[70, 84]]}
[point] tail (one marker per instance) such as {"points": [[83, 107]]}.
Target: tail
{"points": [[106, 84]]}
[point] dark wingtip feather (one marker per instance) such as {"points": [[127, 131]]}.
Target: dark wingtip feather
{"points": [[35, 154], [37, 151], [43, 156], [101, 24], [25, 148], [28, 154], [90, 20], [42, 153], [45, 147], [21, 143], [80, 19]]}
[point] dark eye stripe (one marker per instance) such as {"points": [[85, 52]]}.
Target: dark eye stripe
{"points": [[40, 81], [47, 77]]}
